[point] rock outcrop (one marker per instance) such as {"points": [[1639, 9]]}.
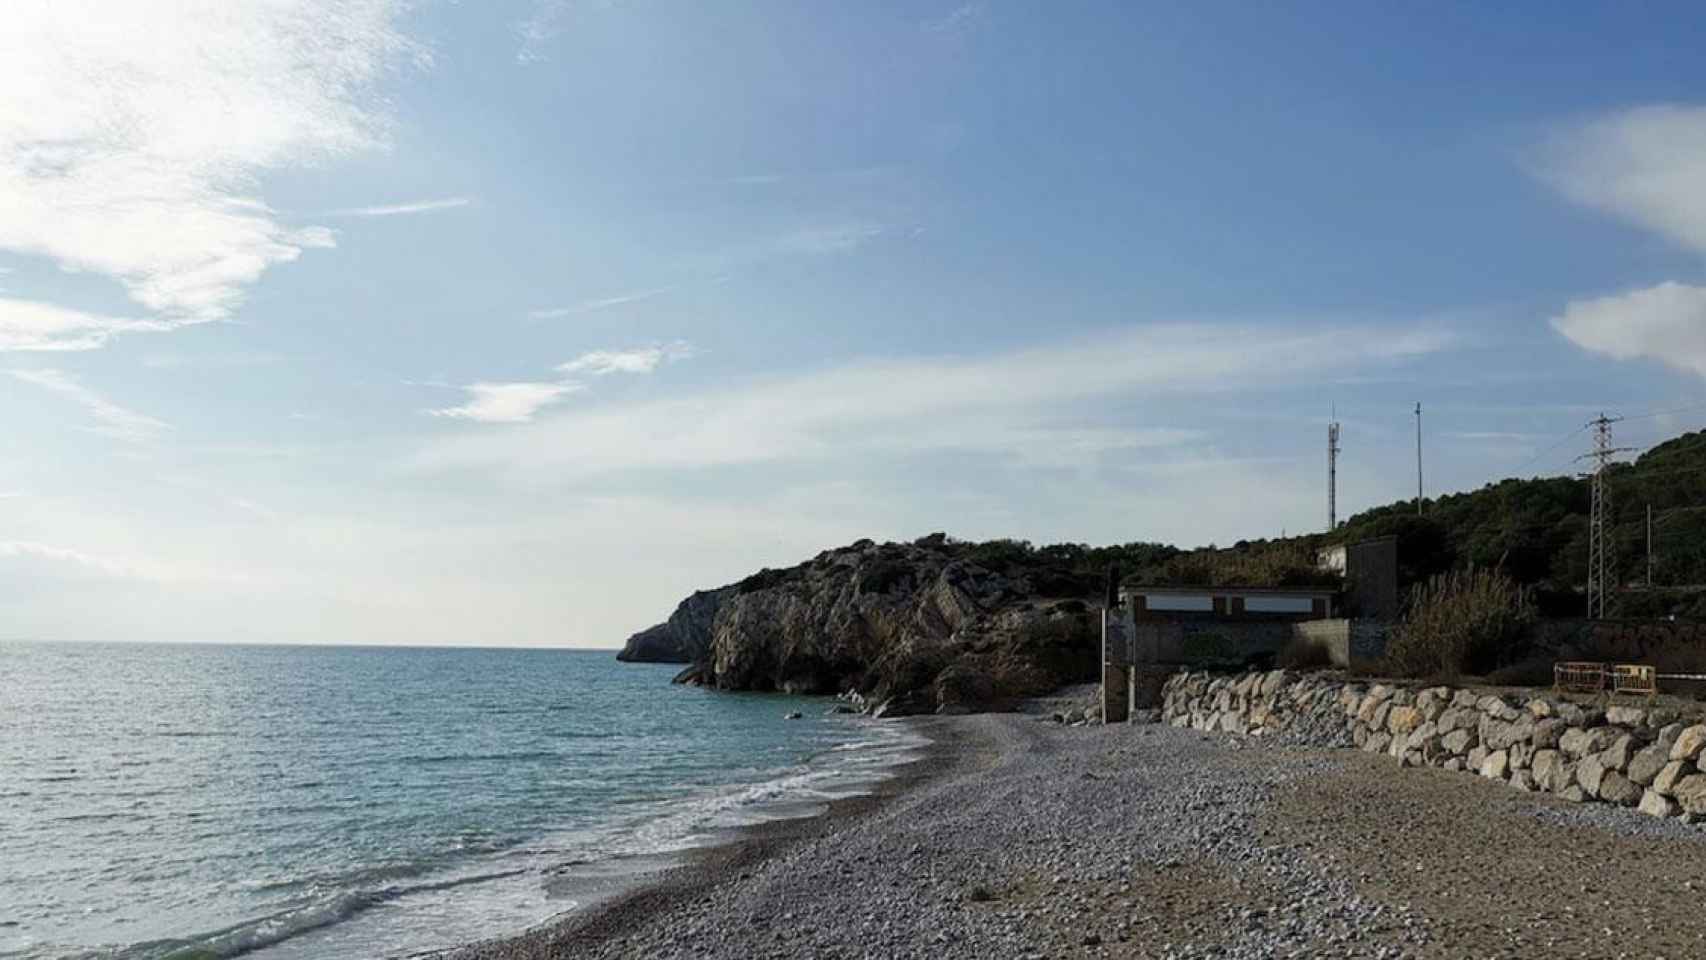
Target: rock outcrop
{"points": [[680, 639], [914, 628]]}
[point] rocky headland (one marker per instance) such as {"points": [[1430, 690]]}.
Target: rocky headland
{"points": [[932, 626]]}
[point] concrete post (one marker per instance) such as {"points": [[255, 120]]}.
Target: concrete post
{"points": [[1117, 672]]}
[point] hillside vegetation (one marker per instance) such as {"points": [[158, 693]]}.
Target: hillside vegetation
{"points": [[1536, 531]]}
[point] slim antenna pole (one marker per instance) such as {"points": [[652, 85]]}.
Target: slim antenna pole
{"points": [[1418, 459], [1332, 476]]}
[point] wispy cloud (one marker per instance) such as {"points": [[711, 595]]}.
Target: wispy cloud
{"points": [[545, 24], [106, 566], [601, 303], [959, 18], [402, 209], [829, 238], [26, 325], [599, 363], [1007, 403], [519, 401], [506, 402], [132, 134], [114, 421]]}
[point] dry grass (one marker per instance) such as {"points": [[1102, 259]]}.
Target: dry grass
{"points": [[1460, 622]]}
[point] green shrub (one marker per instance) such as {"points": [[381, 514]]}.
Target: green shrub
{"points": [[1460, 622]]}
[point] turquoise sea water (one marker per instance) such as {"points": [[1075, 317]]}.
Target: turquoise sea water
{"points": [[343, 802]]}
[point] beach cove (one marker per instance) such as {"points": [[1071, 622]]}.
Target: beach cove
{"points": [[1019, 837]]}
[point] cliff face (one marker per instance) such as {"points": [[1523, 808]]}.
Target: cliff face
{"points": [[682, 638], [918, 627]]}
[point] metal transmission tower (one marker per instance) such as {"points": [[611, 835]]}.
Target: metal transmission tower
{"points": [[1602, 555], [1332, 476]]}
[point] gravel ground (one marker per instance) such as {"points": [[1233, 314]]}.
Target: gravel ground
{"points": [[1018, 838]]}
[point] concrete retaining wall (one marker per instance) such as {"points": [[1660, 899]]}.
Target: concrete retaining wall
{"points": [[1625, 755]]}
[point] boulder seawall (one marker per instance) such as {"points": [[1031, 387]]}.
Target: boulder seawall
{"points": [[1626, 755]]}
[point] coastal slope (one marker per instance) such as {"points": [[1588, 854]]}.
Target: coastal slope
{"points": [[929, 626]]}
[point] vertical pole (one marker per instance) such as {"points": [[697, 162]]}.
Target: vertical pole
{"points": [[1332, 476], [1418, 459], [1649, 546]]}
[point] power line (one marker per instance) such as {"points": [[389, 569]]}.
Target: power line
{"points": [[1661, 413], [1565, 439]]}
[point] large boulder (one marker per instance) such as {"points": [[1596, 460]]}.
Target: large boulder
{"points": [[1553, 771], [1547, 732], [1496, 766], [1689, 743], [1590, 773], [1671, 774], [1647, 762], [1476, 759], [1579, 743], [1403, 719], [1658, 805], [1690, 794], [1616, 757], [1459, 741], [1615, 788], [1624, 716]]}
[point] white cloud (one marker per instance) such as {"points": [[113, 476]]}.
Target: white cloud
{"points": [[1665, 323], [115, 421], [1008, 403], [602, 303], [26, 325], [1646, 165], [132, 134], [402, 209], [599, 363], [506, 402], [121, 568]]}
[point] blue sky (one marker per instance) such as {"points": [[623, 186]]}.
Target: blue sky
{"points": [[437, 322]]}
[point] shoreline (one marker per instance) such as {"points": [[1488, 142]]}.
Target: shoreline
{"points": [[728, 859], [1018, 839]]}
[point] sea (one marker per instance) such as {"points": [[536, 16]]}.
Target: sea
{"points": [[282, 802]]}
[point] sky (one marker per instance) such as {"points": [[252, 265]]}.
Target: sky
{"points": [[512, 322]]}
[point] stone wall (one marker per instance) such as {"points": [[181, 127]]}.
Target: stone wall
{"points": [[1625, 755]]}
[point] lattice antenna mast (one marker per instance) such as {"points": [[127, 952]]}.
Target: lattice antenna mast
{"points": [[1602, 554], [1332, 476]]}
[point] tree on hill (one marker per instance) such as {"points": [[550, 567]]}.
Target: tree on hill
{"points": [[1536, 530]]}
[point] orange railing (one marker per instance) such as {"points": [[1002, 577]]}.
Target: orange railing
{"points": [[1611, 679]]}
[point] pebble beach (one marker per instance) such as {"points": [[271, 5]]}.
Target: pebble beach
{"points": [[1028, 839]]}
